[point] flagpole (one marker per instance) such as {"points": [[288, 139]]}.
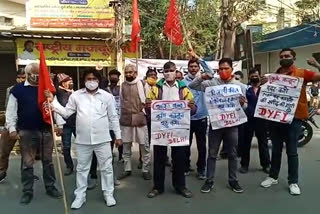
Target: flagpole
{"points": [[59, 164], [170, 51], [186, 33], [137, 54]]}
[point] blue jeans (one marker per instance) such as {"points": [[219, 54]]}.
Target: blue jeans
{"points": [[66, 142], [288, 134]]}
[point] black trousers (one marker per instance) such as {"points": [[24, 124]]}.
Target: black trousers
{"points": [[199, 128], [258, 127], [178, 155]]}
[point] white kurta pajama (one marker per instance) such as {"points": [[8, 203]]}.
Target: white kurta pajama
{"points": [[96, 113]]}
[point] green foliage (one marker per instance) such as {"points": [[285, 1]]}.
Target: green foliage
{"points": [[308, 10], [200, 19]]}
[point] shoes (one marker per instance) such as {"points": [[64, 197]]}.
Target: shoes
{"points": [[266, 170], [140, 165], [243, 169], [235, 187], [268, 182], [207, 186], [92, 183], [2, 177], [146, 176], [153, 193], [201, 176], [54, 193], [77, 203], [26, 198], [117, 182], [121, 160], [110, 201], [184, 192], [36, 178], [294, 189], [68, 171], [188, 172], [124, 175]]}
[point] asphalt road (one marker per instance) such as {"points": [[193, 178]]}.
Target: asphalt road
{"points": [[131, 194]]}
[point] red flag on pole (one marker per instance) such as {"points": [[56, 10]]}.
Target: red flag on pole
{"points": [[172, 27], [45, 83], [136, 28]]}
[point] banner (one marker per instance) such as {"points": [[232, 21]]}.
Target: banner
{"points": [[61, 52], [223, 106], [182, 65], [278, 98], [70, 15], [170, 123]]}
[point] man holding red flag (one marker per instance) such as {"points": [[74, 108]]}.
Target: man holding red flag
{"points": [[172, 27], [25, 118]]}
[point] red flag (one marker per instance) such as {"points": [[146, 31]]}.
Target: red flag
{"points": [[136, 28], [45, 83], [172, 27]]}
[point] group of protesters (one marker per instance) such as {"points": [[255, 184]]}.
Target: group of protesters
{"points": [[103, 117]]}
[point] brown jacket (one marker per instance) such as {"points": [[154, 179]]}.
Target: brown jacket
{"points": [[131, 107]]}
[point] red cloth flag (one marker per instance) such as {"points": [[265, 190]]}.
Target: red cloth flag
{"points": [[172, 27], [45, 83], [136, 28]]}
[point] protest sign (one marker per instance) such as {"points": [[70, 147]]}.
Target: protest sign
{"points": [[278, 98], [223, 106], [182, 65], [170, 123]]}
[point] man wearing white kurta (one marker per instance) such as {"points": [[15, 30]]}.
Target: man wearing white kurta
{"points": [[96, 113]]}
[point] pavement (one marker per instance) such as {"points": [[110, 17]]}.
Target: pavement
{"points": [[131, 194]]}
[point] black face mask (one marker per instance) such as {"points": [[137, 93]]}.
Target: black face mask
{"points": [[286, 63], [254, 80], [129, 79]]}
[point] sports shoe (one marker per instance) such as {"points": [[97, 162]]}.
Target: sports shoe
{"points": [[53, 192], [117, 182], [207, 187], [26, 198], [124, 175], [110, 201], [3, 176], [294, 189], [235, 187], [77, 203], [268, 182], [146, 176], [201, 176]]}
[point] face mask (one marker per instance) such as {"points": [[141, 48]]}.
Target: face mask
{"points": [[129, 79], [33, 79], [254, 80], [225, 74], [92, 85], [70, 86], [151, 81], [286, 63], [170, 76]]}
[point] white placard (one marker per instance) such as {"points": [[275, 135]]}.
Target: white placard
{"points": [[170, 123], [223, 106], [278, 98]]}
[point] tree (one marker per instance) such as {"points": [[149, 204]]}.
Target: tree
{"points": [[201, 19], [308, 10], [233, 13]]}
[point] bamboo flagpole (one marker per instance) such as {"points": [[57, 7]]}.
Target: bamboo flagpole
{"points": [[66, 211], [137, 54], [170, 50]]}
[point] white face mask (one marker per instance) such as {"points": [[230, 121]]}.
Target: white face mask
{"points": [[170, 76], [92, 85]]}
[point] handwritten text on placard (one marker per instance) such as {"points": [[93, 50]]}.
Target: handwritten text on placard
{"points": [[223, 106], [278, 98], [170, 123]]}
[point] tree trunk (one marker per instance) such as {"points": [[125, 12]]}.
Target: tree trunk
{"points": [[161, 50], [229, 42]]}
